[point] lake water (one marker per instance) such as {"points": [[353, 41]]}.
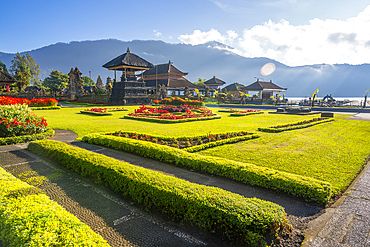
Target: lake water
{"points": [[352, 100]]}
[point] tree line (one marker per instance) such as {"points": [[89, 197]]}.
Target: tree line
{"points": [[26, 71]]}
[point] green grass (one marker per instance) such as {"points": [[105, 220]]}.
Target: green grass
{"points": [[333, 152]]}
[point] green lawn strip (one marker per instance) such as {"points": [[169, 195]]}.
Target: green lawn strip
{"points": [[46, 108], [239, 218], [26, 138], [334, 152], [157, 120], [29, 218], [273, 129], [304, 187]]}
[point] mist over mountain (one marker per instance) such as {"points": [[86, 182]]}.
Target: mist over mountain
{"points": [[201, 61]]}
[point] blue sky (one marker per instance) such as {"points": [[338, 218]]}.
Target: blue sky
{"points": [[291, 31]]}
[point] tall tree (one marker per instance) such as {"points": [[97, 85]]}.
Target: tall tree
{"points": [[23, 76], [33, 67], [200, 82], [4, 67], [87, 81], [56, 81]]}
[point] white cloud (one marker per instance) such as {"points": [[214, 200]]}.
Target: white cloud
{"points": [[157, 33], [321, 41]]}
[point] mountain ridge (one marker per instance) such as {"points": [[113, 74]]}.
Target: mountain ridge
{"points": [[200, 61]]}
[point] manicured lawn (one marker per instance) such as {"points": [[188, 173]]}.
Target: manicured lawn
{"points": [[333, 152]]}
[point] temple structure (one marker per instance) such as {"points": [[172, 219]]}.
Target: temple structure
{"points": [[169, 76], [6, 79], [214, 83], [266, 89], [128, 90], [75, 84]]}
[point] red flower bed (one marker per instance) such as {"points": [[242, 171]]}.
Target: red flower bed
{"points": [[32, 103], [99, 110], [159, 113]]}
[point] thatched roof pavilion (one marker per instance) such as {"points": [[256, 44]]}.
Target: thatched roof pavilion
{"points": [[6, 79]]}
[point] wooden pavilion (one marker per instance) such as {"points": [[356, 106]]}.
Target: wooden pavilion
{"points": [[214, 83], [168, 75], [266, 89], [6, 79], [128, 90]]}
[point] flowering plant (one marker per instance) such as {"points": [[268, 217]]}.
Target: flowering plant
{"points": [[17, 120], [33, 102], [179, 101]]}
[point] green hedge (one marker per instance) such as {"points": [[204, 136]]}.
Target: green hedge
{"points": [[238, 114], [97, 113], [277, 130], [239, 218], [29, 218], [156, 120], [46, 108], [220, 142], [308, 188], [26, 138]]}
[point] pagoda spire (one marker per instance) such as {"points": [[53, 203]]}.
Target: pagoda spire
{"points": [[128, 50]]}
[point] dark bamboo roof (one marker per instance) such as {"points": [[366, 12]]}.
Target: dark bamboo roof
{"points": [[166, 68], [235, 87], [214, 80], [6, 78], [128, 60], [263, 85]]}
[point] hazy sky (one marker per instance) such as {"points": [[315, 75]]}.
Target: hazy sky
{"points": [[293, 32]]}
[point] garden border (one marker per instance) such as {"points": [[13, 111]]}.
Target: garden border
{"points": [[247, 220], [156, 120], [28, 216], [305, 187], [26, 138], [277, 130]]}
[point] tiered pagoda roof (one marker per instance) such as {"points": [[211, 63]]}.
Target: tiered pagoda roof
{"points": [[128, 60]]}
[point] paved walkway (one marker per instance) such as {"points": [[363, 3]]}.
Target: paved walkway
{"points": [[347, 222]]}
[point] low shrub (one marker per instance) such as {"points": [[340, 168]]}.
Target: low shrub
{"points": [[18, 120], [211, 140], [46, 108], [179, 101], [245, 113], [26, 138], [241, 219], [29, 218], [308, 188], [297, 125]]}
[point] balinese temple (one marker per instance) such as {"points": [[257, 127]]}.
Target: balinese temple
{"points": [[128, 90], [214, 83], [266, 89], [168, 75], [235, 89], [6, 79]]}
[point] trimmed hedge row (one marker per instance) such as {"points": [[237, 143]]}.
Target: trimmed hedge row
{"points": [[277, 130], [239, 218], [308, 188], [26, 138], [29, 218], [97, 113], [220, 142], [238, 114], [157, 120], [46, 108]]}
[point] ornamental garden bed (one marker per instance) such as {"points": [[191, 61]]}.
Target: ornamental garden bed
{"points": [[245, 113], [297, 125], [31, 103], [19, 124], [102, 111], [190, 144], [172, 114]]}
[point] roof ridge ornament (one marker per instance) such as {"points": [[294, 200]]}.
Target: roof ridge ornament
{"points": [[128, 50]]}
